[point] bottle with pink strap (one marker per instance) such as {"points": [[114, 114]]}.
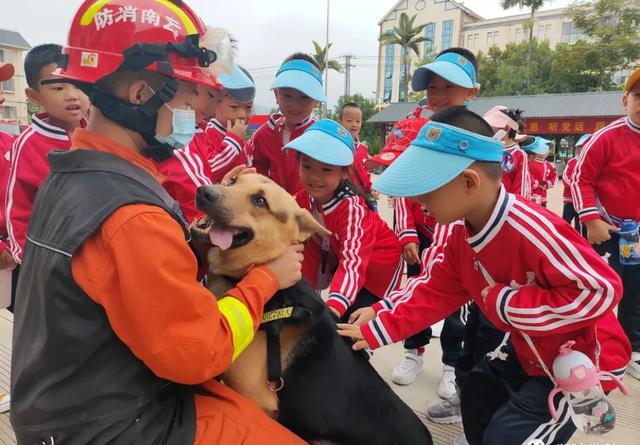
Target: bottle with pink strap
{"points": [[578, 379]]}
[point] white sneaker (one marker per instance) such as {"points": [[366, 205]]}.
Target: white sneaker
{"points": [[5, 402], [408, 368], [460, 439], [447, 387], [633, 368]]}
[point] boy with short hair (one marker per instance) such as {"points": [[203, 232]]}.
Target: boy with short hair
{"points": [[451, 79], [605, 186], [298, 88], [569, 213], [557, 290], [228, 129], [65, 107], [537, 149], [351, 118]]}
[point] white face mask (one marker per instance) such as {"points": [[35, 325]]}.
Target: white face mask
{"points": [[183, 124]]}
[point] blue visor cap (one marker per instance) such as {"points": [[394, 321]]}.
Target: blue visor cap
{"points": [[302, 76], [539, 146], [437, 156], [238, 85], [325, 141], [453, 67], [583, 139]]}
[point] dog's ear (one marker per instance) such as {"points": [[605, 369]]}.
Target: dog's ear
{"points": [[307, 225]]}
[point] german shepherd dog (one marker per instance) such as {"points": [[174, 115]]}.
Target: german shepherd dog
{"points": [[327, 392]]}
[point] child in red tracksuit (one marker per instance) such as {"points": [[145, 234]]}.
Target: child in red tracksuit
{"points": [[227, 130], [539, 173], [605, 186], [65, 107], [549, 178], [298, 88], [569, 213], [361, 258], [515, 169], [351, 118], [556, 290]]}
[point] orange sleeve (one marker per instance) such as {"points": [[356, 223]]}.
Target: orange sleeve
{"points": [[139, 268]]}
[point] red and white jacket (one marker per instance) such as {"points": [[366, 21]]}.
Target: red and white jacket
{"points": [[268, 157], [537, 174], [6, 141], [566, 180], [184, 173], [366, 250], [550, 177], [29, 167], [608, 171], [411, 218], [516, 177], [226, 152], [553, 289], [362, 176]]}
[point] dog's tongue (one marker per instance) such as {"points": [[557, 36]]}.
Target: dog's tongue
{"points": [[221, 237]]}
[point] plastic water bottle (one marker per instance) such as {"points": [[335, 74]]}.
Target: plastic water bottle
{"points": [[579, 380], [629, 242]]}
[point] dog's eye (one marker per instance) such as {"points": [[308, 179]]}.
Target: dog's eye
{"points": [[232, 180], [259, 201]]}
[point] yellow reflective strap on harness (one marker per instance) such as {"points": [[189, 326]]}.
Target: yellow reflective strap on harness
{"points": [[277, 314], [239, 321]]}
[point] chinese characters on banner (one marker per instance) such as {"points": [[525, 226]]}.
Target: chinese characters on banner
{"points": [[570, 125]]}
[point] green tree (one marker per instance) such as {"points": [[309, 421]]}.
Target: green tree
{"points": [[612, 28], [321, 55], [408, 37], [506, 72], [368, 133], [534, 5]]}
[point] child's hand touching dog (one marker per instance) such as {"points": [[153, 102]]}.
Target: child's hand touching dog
{"points": [[355, 333], [362, 316]]}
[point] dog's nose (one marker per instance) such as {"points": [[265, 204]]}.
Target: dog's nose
{"points": [[206, 195]]}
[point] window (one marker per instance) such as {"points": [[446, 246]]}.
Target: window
{"points": [[476, 40], [518, 35], [489, 38], [469, 40], [430, 35], [2, 56], [571, 34], [403, 53], [9, 112], [447, 34], [496, 34], [389, 59], [8, 86]]}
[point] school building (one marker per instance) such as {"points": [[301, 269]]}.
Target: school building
{"points": [[560, 117], [12, 48], [450, 23]]}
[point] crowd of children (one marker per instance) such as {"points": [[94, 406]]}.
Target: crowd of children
{"points": [[512, 280]]}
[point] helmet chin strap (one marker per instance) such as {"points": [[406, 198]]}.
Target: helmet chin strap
{"points": [[141, 118]]}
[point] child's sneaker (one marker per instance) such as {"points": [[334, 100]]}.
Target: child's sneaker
{"points": [[460, 439], [408, 368], [447, 411], [5, 402], [447, 387], [633, 368]]}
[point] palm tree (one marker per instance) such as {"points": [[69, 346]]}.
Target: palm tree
{"points": [[408, 37], [534, 5], [321, 57]]}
